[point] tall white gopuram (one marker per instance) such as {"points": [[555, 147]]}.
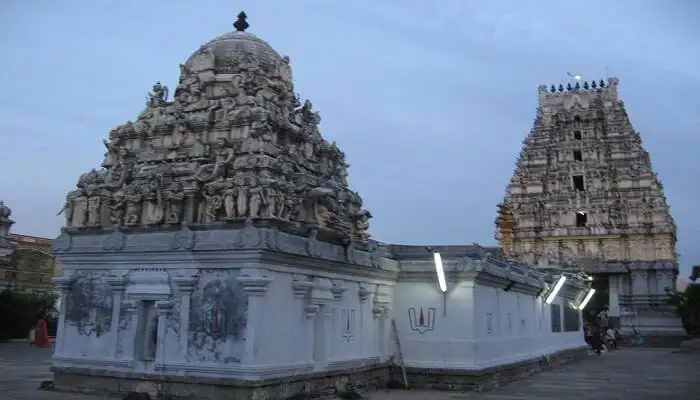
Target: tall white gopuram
{"points": [[584, 195]]}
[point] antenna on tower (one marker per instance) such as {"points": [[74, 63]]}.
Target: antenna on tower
{"points": [[607, 72]]}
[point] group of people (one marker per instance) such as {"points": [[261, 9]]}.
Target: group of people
{"points": [[600, 338]]}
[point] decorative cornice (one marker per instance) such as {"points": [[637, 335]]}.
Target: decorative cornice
{"points": [[338, 290], [254, 285], [199, 241], [363, 293], [163, 307], [185, 283], [116, 283], [301, 288]]}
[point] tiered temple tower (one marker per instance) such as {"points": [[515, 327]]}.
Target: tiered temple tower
{"points": [[584, 196]]}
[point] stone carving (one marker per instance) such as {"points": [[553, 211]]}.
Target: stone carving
{"points": [[570, 182], [233, 144], [89, 305], [218, 313]]}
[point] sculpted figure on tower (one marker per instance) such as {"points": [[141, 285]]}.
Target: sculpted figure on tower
{"points": [[233, 144]]}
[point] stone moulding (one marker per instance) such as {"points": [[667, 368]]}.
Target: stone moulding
{"points": [[304, 380], [483, 271], [60, 362], [185, 239]]}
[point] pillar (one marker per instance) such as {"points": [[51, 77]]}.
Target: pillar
{"points": [[185, 285], [191, 207], [117, 284], [380, 313], [105, 209], [64, 284], [614, 301], [255, 285], [133, 315], [163, 309]]}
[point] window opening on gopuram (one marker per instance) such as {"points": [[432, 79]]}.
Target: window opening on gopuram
{"points": [[578, 182], [581, 219], [577, 155]]}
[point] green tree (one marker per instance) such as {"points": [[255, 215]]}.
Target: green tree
{"points": [[687, 305], [20, 309]]}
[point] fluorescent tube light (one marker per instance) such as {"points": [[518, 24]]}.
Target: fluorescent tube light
{"points": [[586, 299], [555, 291], [440, 271]]}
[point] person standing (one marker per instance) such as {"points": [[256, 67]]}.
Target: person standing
{"points": [[611, 338], [597, 341]]}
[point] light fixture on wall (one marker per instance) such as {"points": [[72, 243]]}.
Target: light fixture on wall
{"points": [[440, 271], [553, 294], [586, 299]]}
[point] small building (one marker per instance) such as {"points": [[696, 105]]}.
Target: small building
{"points": [[25, 261]]}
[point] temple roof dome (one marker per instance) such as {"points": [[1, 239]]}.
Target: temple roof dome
{"points": [[5, 211], [233, 50], [230, 47]]}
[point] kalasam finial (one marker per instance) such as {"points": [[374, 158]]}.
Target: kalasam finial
{"points": [[241, 24]]}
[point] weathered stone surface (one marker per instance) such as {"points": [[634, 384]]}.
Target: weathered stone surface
{"points": [[233, 144]]}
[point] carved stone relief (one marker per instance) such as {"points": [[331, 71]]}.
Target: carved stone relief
{"points": [[89, 305], [218, 314], [234, 143]]}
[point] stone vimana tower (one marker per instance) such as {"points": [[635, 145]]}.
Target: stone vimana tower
{"points": [[233, 146], [584, 196]]}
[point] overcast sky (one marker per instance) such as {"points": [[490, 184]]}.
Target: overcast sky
{"points": [[430, 100]]}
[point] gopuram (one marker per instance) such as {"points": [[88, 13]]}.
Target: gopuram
{"points": [[220, 253], [584, 196]]}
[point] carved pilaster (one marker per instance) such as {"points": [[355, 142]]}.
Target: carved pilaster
{"points": [[301, 288], [255, 284], [163, 309], [106, 208], [118, 286], [190, 206], [131, 307], [64, 284], [185, 285], [363, 293]]}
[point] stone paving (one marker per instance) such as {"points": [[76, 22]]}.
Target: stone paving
{"points": [[634, 374]]}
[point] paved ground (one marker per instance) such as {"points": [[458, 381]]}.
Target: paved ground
{"points": [[630, 374]]}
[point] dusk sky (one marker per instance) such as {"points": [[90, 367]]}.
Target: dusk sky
{"points": [[430, 100]]}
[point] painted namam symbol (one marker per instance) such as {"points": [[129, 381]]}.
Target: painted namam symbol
{"points": [[420, 322], [215, 321], [347, 320]]}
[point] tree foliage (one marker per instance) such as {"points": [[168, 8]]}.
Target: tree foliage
{"points": [[20, 309], [687, 305]]}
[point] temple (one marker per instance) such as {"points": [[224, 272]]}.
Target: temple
{"points": [[584, 197], [220, 251], [26, 261]]}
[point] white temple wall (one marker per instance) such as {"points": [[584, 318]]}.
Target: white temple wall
{"points": [[476, 326], [301, 320]]}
